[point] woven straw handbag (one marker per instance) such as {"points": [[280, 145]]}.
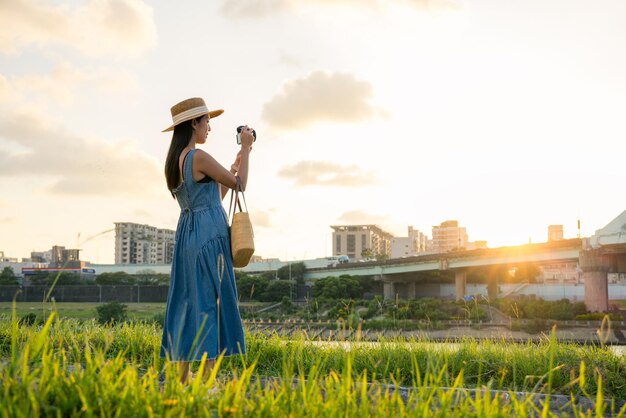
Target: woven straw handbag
{"points": [[241, 233]]}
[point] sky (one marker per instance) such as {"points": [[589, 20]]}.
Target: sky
{"points": [[507, 116]]}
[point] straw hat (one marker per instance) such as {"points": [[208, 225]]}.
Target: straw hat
{"points": [[190, 109]]}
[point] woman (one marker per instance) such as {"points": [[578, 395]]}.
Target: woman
{"points": [[201, 315]]}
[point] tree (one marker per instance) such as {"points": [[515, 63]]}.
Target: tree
{"points": [[339, 287], [276, 289], [382, 256], [118, 277], [8, 277], [59, 278], [293, 271], [367, 253], [527, 272], [250, 287]]}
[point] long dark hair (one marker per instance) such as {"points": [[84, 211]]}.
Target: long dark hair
{"points": [[180, 139]]}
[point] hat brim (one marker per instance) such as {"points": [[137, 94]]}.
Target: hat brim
{"points": [[212, 114]]}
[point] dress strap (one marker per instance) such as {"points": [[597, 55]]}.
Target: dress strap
{"points": [[187, 166]]}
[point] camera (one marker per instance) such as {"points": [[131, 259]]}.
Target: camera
{"points": [[239, 128]]}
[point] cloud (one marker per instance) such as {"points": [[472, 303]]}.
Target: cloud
{"points": [[436, 5], [261, 218], [254, 8], [93, 27], [76, 165], [7, 93], [321, 96], [261, 8], [359, 217], [326, 173], [65, 79]]}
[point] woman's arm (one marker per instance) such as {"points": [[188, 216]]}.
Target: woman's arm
{"points": [[233, 170], [205, 164]]}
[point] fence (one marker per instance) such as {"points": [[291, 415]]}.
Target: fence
{"points": [[86, 293]]}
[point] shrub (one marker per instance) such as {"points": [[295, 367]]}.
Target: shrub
{"points": [[599, 316], [30, 319], [159, 318], [112, 312]]}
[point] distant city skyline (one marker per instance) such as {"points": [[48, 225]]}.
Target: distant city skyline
{"points": [[507, 116], [131, 227]]}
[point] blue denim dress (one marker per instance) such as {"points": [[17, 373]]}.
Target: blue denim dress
{"points": [[201, 313]]}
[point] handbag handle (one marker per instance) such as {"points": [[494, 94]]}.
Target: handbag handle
{"points": [[235, 192]]}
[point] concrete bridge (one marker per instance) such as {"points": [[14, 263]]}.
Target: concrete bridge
{"points": [[603, 253]]}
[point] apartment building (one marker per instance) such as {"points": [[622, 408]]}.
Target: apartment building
{"points": [[448, 236], [143, 244], [413, 244], [353, 240], [555, 233]]}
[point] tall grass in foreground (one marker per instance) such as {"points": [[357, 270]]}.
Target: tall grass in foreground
{"points": [[72, 368]]}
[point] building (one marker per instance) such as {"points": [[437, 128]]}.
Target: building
{"points": [[41, 256], [353, 240], [448, 236], [143, 244], [65, 258], [555, 233], [411, 245], [564, 273], [5, 259], [476, 245]]}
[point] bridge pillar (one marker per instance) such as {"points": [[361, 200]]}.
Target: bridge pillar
{"points": [[412, 290], [595, 266], [460, 282], [389, 290]]}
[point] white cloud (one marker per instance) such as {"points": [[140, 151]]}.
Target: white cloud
{"points": [[65, 80], [75, 164], [261, 8], [261, 218], [7, 93], [320, 96], [94, 27], [357, 217], [326, 173]]}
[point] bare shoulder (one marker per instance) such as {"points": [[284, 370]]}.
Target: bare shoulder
{"points": [[202, 155]]}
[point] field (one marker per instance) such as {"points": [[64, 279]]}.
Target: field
{"points": [[80, 368], [86, 310], [83, 310]]}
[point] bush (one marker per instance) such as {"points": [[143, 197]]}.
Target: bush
{"points": [[599, 316], [30, 319], [526, 308], [112, 313], [159, 318]]}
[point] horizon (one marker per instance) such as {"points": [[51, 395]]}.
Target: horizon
{"points": [[505, 117]]}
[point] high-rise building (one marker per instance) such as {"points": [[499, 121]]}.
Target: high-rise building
{"points": [[354, 240], [143, 244], [555, 233], [449, 236]]}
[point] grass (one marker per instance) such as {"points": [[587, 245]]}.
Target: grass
{"points": [[80, 310], [87, 310], [79, 368]]}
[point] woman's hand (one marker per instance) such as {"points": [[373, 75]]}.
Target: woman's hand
{"points": [[246, 138]]}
